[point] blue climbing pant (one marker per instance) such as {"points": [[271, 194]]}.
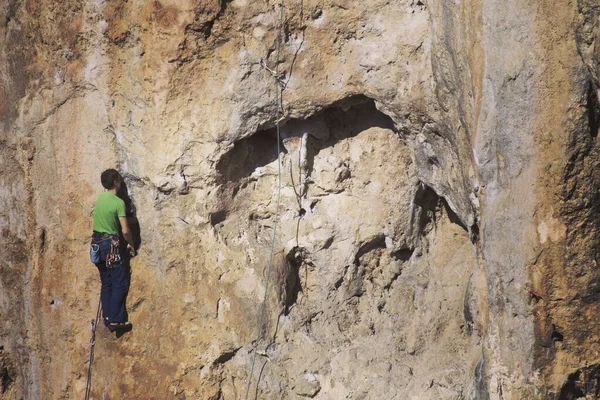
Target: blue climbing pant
{"points": [[114, 278], [113, 293]]}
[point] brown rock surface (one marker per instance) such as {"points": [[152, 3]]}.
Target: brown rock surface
{"points": [[439, 197]]}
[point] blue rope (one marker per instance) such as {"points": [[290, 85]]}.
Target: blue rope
{"points": [[88, 385], [277, 90]]}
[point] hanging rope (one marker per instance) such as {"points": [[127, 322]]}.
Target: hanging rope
{"points": [[277, 92], [88, 385]]}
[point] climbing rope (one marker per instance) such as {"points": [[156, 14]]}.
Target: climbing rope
{"points": [[88, 385], [277, 91]]}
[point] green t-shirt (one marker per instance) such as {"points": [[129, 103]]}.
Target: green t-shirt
{"points": [[107, 210]]}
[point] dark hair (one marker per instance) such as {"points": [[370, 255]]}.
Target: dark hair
{"points": [[109, 177]]}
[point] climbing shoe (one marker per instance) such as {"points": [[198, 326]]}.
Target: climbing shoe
{"points": [[116, 326]]}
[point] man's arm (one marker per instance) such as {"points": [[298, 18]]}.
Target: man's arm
{"points": [[126, 231]]}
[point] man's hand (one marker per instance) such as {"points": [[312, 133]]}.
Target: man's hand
{"points": [[127, 234], [131, 250]]}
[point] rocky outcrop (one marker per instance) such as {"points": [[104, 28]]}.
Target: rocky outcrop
{"points": [[439, 203]]}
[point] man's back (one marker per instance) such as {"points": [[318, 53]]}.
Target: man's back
{"points": [[107, 210]]}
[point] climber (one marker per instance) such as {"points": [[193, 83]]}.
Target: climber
{"points": [[111, 230]]}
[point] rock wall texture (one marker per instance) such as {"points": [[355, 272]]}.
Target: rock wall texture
{"points": [[438, 234]]}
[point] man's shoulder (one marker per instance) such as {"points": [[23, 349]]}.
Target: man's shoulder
{"points": [[110, 198], [118, 199]]}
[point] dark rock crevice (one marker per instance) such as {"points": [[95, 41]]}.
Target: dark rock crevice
{"points": [[593, 110], [226, 356], [480, 381], [248, 155], [294, 261], [7, 376], [341, 120], [302, 140], [583, 383], [429, 205]]}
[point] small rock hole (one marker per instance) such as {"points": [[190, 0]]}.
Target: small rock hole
{"points": [[42, 239], [217, 217], [403, 254], [556, 335]]}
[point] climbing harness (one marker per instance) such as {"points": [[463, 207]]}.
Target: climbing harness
{"points": [[88, 385], [114, 254], [278, 88]]}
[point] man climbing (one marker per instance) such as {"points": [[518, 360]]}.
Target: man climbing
{"points": [[110, 227]]}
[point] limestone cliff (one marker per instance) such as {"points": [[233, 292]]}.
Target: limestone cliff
{"points": [[439, 197]]}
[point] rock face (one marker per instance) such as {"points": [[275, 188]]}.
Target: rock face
{"points": [[437, 234]]}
